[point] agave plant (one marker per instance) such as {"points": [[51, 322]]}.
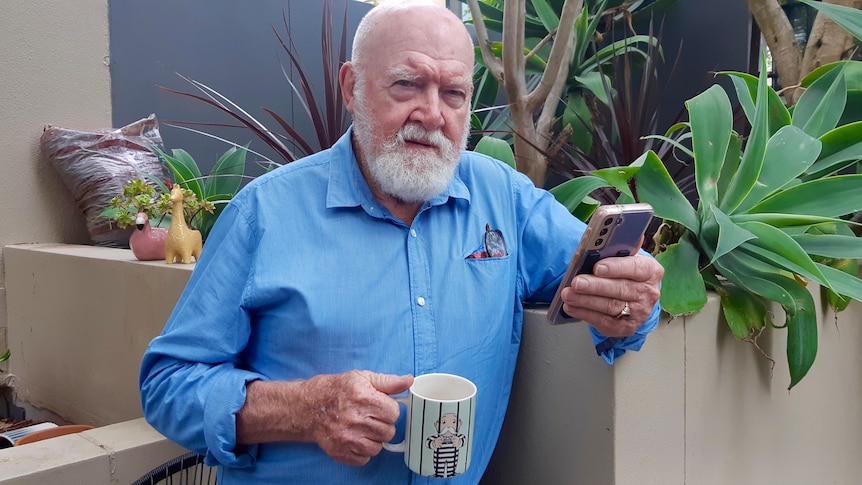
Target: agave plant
{"points": [[772, 208], [768, 219]]}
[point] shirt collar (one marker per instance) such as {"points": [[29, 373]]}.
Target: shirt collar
{"points": [[348, 188]]}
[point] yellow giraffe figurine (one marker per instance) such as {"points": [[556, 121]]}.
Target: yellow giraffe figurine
{"points": [[182, 242]]}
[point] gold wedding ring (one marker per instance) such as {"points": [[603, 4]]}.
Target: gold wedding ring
{"points": [[625, 312]]}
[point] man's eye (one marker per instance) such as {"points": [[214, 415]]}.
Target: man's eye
{"points": [[405, 83]]}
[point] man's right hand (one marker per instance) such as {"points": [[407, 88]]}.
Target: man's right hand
{"points": [[348, 415]]}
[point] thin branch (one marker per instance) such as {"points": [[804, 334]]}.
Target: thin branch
{"points": [[541, 44], [495, 67], [514, 22], [558, 61]]}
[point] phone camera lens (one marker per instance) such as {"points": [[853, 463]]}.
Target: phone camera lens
{"points": [[608, 221], [603, 231], [599, 241]]}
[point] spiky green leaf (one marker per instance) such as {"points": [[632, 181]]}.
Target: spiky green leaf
{"points": [[821, 105], [744, 312], [789, 153], [755, 149], [831, 246], [683, 291], [841, 282], [227, 173], [841, 148], [730, 235], [746, 91], [572, 192], [801, 333], [711, 121], [844, 197], [656, 187], [550, 19], [496, 148], [848, 18]]}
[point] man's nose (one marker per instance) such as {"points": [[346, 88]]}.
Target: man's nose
{"points": [[428, 112]]}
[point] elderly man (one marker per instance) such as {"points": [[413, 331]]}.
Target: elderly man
{"points": [[328, 283]]}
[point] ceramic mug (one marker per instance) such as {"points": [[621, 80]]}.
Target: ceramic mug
{"points": [[439, 432]]}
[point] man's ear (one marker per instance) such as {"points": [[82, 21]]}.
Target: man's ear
{"points": [[347, 80]]}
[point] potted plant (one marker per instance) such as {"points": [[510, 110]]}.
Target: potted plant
{"points": [[146, 205], [139, 206]]}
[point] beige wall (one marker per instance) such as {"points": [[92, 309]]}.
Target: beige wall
{"points": [[694, 406], [79, 357], [54, 71]]}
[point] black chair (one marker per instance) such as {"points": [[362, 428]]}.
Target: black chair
{"points": [[186, 469]]}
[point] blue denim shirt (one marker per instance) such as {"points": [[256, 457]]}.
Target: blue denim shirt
{"points": [[305, 273]]}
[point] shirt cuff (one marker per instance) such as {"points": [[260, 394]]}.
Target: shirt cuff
{"points": [[222, 406], [611, 348]]}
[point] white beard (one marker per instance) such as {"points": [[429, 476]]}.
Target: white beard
{"points": [[409, 175]]}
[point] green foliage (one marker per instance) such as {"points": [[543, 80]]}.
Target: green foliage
{"points": [[154, 200], [206, 195], [590, 68], [771, 211], [147, 195], [327, 116], [496, 148]]}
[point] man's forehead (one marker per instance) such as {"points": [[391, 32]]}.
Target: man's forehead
{"points": [[435, 34], [422, 67]]}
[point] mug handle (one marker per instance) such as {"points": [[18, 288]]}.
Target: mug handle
{"points": [[402, 446]]}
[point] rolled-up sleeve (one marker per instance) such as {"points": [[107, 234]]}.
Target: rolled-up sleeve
{"points": [[192, 382]]}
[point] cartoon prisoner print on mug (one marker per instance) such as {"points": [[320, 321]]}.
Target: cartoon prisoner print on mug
{"points": [[446, 444]]}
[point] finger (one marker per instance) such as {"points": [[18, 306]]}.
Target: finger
{"points": [[610, 306], [390, 383], [636, 268], [588, 287]]}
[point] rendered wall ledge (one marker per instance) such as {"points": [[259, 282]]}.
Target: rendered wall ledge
{"points": [[116, 454], [693, 406], [79, 320]]}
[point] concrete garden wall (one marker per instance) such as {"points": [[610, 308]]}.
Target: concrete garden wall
{"points": [[694, 406]]}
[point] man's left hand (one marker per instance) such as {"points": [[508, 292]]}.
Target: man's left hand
{"points": [[617, 284]]}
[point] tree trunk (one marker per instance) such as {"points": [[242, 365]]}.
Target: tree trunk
{"points": [[778, 34], [828, 42], [529, 144], [531, 111]]}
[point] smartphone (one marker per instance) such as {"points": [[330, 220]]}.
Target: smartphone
{"points": [[613, 230]]}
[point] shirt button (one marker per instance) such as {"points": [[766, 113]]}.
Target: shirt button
{"points": [[413, 232], [420, 301]]}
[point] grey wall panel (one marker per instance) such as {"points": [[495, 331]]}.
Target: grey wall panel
{"points": [[228, 45]]}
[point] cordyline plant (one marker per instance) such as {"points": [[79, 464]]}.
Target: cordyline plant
{"points": [[328, 117]]}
